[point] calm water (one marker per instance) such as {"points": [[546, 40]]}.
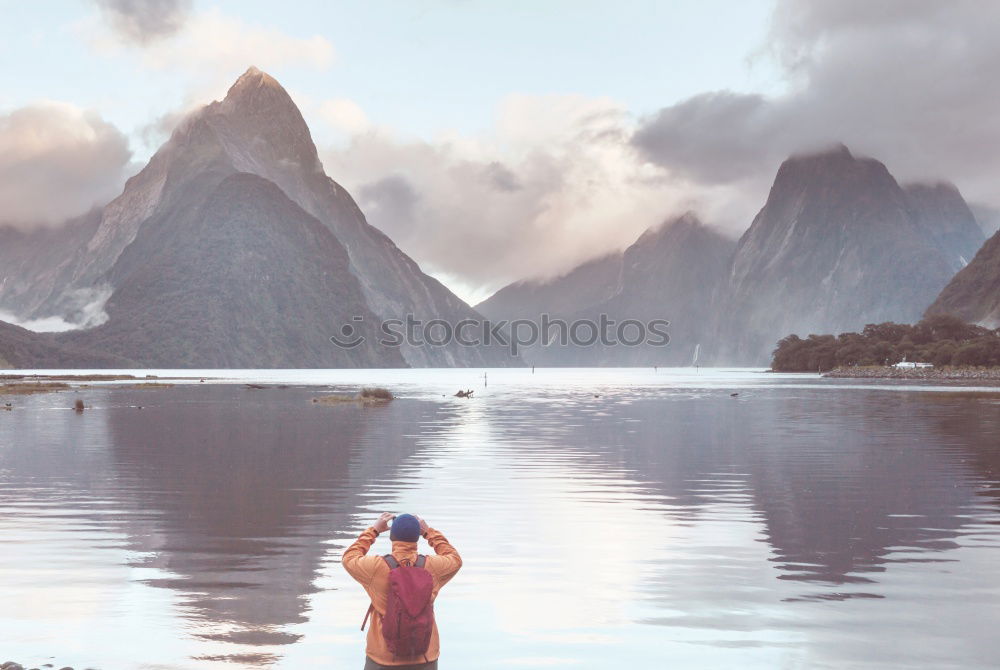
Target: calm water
{"points": [[605, 516]]}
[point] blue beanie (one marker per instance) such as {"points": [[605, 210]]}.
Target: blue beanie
{"points": [[405, 528]]}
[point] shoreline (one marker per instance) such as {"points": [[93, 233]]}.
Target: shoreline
{"points": [[31, 384], [918, 374], [25, 378]]}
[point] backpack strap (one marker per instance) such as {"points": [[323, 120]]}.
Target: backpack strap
{"points": [[393, 563]]}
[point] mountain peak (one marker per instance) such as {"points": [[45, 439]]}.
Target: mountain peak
{"points": [[254, 78], [258, 92], [688, 218], [837, 150], [262, 128], [672, 226], [836, 171], [815, 258]]}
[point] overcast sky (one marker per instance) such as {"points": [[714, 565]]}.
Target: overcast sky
{"points": [[494, 141]]}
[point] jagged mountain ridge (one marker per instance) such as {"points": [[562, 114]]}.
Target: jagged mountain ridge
{"points": [[838, 244], [256, 129]]}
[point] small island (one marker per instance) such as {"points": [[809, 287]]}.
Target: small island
{"points": [[370, 395]]}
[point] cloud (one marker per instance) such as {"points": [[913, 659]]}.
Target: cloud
{"points": [[904, 81], [145, 21], [344, 116], [553, 183], [57, 161], [715, 137], [211, 45], [560, 179], [391, 198], [501, 177], [158, 131], [85, 309]]}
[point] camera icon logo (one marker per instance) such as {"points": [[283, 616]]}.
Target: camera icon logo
{"points": [[349, 337]]}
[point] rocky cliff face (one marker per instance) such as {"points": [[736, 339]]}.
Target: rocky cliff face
{"points": [[279, 288], [974, 293], [674, 273], [154, 227], [836, 246], [263, 132]]}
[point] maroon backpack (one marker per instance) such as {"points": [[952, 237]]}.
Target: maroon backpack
{"points": [[409, 613]]}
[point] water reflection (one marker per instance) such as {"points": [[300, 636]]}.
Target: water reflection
{"points": [[838, 482], [784, 526], [226, 496]]}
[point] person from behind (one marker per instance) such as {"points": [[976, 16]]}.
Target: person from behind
{"points": [[402, 586]]}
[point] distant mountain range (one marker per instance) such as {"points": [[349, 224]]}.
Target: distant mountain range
{"points": [[838, 244], [231, 248]]}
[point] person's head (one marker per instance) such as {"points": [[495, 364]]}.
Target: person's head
{"points": [[405, 528]]}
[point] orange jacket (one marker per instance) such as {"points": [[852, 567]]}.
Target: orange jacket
{"points": [[372, 572]]}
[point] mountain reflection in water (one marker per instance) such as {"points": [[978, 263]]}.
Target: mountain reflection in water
{"points": [[792, 525]]}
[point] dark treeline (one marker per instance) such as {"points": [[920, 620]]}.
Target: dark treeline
{"points": [[941, 340]]}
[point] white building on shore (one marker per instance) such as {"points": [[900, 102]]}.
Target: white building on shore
{"points": [[907, 365]]}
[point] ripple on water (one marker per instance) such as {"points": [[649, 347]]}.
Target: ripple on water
{"points": [[607, 518]]}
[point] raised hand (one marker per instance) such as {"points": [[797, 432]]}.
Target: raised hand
{"points": [[423, 525], [382, 524]]}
